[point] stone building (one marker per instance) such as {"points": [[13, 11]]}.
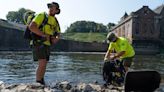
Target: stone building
{"points": [[160, 11], [143, 28]]}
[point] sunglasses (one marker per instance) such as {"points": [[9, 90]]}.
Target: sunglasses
{"points": [[50, 6]]}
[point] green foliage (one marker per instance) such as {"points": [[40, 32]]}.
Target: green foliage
{"points": [[86, 26], [85, 37], [17, 16], [110, 25], [87, 31]]}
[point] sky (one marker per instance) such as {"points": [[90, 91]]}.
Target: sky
{"points": [[99, 11]]}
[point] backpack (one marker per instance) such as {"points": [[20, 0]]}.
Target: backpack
{"points": [[27, 33], [113, 72]]}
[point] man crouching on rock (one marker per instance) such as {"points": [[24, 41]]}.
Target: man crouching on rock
{"points": [[124, 52]]}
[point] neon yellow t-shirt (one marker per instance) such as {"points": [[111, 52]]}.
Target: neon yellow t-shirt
{"points": [[49, 28], [122, 44]]}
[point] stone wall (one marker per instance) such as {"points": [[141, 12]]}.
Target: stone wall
{"points": [[145, 24], [12, 39], [75, 46]]}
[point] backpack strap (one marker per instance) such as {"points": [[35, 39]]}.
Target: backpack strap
{"points": [[57, 22], [45, 20]]}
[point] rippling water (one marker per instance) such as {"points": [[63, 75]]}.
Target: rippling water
{"points": [[18, 67]]}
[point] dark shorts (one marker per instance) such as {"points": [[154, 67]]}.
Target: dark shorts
{"points": [[127, 61], [41, 52]]}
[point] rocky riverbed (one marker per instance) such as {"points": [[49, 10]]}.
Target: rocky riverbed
{"points": [[63, 86], [58, 87]]}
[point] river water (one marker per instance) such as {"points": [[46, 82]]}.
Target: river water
{"points": [[18, 67]]}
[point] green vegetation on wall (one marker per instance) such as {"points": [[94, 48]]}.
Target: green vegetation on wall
{"points": [[87, 31], [89, 26], [85, 37]]}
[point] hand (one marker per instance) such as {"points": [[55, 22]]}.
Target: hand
{"points": [[106, 59], [54, 39], [112, 57], [46, 37]]}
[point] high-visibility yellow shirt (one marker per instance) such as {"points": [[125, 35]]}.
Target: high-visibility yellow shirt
{"points": [[122, 44], [49, 28]]}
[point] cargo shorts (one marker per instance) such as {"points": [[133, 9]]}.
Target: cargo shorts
{"points": [[41, 52], [127, 61]]}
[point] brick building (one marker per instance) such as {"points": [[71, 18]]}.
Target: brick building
{"points": [[144, 28]]}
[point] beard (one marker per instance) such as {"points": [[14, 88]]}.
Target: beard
{"points": [[51, 13]]}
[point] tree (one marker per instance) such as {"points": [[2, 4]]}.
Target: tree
{"points": [[17, 16], [110, 25], [86, 26]]}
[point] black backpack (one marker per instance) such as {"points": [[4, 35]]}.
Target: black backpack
{"points": [[30, 35], [113, 72]]}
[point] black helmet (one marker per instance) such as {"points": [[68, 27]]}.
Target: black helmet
{"points": [[111, 36]]}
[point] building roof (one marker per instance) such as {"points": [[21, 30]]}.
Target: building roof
{"points": [[125, 16], [159, 9]]}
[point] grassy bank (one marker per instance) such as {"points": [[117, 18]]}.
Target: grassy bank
{"points": [[85, 37]]}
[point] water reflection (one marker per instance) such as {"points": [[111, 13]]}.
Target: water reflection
{"points": [[18, 67]]}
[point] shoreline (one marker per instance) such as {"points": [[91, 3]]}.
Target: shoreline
{"points": [[64, 86], [53, 52], [63, 52]]}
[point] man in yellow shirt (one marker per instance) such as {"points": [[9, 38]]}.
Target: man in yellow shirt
{"points": [[49, 34], [123, 50]]}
